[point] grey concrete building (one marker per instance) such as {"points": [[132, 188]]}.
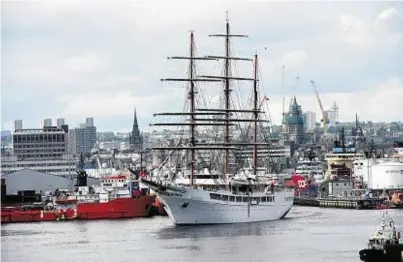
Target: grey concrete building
{"points": [[43, 150], [47, 122], [60, 122], [17, 125], [83, 138], [28, 179], [46, 143]]}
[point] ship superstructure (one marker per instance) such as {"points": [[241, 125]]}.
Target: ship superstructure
{"points": [[340, 160]]}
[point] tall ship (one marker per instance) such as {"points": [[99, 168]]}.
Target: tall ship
{"points": [[233, 191]]}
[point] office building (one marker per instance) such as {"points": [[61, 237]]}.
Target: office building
{"points": [[47, 122], [309, 121], [17, 125], [83, 138], [60, 122], [44, 150]]}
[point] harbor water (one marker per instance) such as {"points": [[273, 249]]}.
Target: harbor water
{"points": [[306, 234]]}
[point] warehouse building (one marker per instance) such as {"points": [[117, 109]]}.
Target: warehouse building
{"points": [[28, 179]]}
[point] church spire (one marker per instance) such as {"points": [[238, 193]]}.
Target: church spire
{"points": [[136, 140], [135, 123]]}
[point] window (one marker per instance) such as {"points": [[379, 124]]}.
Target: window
{"points": [[215, 196], [232, 198]]}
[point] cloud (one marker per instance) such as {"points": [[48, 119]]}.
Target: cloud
{"points": [[76, 59], [114, 103], [88, 63], [294, 59]]}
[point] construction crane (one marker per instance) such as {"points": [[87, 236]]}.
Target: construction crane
{"points": [[325, 118]]}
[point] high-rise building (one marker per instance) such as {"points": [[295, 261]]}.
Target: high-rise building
{"points": [[43, 150], [48, 142], [89, 121], [309, 121], [60, 122], [47, 122], [333, 115], [83, 138], [17, 125]]}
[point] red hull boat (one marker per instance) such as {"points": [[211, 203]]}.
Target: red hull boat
{"points": [[117, 197], [117, 208]]}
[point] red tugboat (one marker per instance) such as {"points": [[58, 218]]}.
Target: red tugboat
{"points": [[118, 196]]}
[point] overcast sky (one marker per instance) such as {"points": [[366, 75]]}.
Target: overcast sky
{"points": [[74, 59]]}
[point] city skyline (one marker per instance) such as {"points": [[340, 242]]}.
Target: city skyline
{"points": [[85, 63], [145, 128]]}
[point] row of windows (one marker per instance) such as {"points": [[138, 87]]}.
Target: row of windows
{"points": [[23, 157], [39, 138], [113, 180], [170, 194], [39, 145], [35, 165], [241, 198], [50, 171], [44, 150]]}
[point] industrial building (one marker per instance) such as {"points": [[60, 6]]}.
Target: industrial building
{"points": [[28, 179]]}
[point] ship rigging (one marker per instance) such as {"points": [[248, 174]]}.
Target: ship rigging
{"points": [[195, 114], [196, 204]]}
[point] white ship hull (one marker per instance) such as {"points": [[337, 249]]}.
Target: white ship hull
{"points": [[196, 207]]}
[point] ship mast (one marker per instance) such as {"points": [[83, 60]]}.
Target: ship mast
{"points": [[255, 115], [227, 121], [227, 77], [191, 96], [192, 110]]}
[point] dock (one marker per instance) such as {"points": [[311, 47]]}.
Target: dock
{"points": [[346, 202]]}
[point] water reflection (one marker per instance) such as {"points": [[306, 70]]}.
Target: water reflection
{"points": [[243, 229], [227, 230]]}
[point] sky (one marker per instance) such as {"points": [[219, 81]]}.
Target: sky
{"points": [[78, 59]]}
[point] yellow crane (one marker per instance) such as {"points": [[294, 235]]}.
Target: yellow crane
{"points": [[325, 118]]}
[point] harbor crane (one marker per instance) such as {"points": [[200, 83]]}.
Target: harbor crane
{"points": [[325, 118]]}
